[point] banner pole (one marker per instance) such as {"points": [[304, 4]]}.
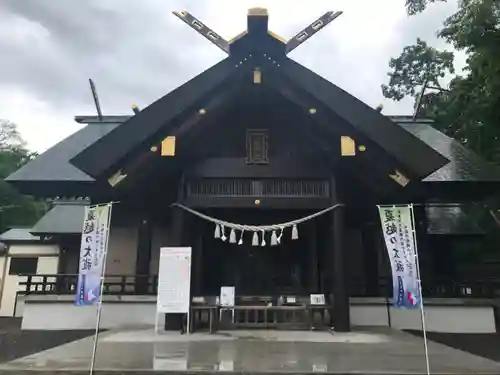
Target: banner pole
{"points": [[99, 306], [388, 308], [422, 314]]}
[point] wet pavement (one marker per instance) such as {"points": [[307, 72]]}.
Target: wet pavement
{"points": [[374, 352]]}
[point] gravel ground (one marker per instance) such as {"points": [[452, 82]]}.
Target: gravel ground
{"points": [[15, 343], [486, 345]]}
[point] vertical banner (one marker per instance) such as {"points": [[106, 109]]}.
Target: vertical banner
{"points": [[92, 254], [398, 228]]}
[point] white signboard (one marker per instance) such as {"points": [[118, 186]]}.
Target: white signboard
{"points": [[174, 280], [227, 295], [290, 299]]}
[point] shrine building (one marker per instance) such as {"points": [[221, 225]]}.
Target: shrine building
{"points": [[259, 139]]}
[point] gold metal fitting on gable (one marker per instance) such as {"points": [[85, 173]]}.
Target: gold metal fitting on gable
{"points": [[400, 178], [257, 76], [168, 146], [347, 146]]}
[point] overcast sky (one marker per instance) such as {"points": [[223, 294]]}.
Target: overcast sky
{"points": [[137, 51]]}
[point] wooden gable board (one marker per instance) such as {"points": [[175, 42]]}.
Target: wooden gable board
{"points": [[99, 157], [415, 155], [409, 151]]}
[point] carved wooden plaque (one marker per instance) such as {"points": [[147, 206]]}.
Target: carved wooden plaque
{"points": [[257, 146]]}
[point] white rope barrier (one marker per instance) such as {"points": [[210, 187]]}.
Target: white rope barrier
{"points": [[275, 239]]}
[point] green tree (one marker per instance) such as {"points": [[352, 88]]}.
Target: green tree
{"points": [[417, 6], [15, 209], [469, 109], [417, 65]]}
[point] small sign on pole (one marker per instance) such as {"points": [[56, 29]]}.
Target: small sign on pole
{"points": [[227, 300], [227, 296], [174, 282], [317, 299]]}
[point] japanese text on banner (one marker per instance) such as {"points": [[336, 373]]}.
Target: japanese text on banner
{"points": [[397, 226], [92, 254]]}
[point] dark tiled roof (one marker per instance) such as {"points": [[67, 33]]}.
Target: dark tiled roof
{"points": [[54, 165], [18, 234], [464, 164], [64, 218], [450, 219]]}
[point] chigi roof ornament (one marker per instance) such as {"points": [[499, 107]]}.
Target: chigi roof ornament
{"points": [[257, 26]]}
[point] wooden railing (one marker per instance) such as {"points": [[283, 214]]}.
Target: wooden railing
{"points": [[66, 284], [433, 288], [63, 284]]}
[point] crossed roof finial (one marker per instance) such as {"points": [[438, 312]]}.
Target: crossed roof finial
{"points": [[258, 22]]}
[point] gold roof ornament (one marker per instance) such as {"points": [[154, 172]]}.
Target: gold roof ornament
{"points": [[258, 12]]}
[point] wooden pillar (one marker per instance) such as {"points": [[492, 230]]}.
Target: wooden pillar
{"points": [[176, 237], [341, 316], [424, 253], [143, 257], [325, 257], [313, 258], [176, 226], [340, 313], [62, 268], [197, 244], [370, 238]]}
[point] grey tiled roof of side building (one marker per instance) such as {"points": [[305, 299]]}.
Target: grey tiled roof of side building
{"points": [[449, 219], [18, 234], [464, 164], [54, 165], [63, 218]]}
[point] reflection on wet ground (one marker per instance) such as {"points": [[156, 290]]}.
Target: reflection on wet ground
{"points": [[377, 351]]}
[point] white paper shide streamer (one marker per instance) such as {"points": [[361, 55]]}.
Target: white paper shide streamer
{"points": [[260, 233]]}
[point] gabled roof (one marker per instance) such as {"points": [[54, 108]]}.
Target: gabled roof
{"points": [[257, 48], [115, 146], [464, 166], [416, 156]]}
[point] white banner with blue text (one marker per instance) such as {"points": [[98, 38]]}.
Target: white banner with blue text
{"points": [[398, 229], [92, 254]]}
